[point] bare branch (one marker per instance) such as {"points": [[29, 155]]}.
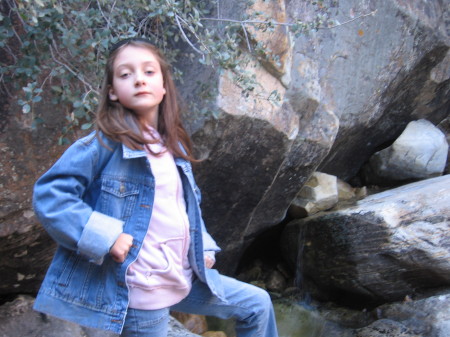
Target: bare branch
{"points": [[10, 52], [288, 24], [351, 20], [248, 21], [103, 14], [77, 75], [246, 38], [177, 19]]}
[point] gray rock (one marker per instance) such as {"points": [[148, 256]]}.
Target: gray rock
{"points": [[389, 245], [17, 318], [320, 193], [385, 328], [419, 153], [429, 316]]}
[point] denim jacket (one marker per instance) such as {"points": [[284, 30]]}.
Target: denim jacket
{"points": [[84, 201]]}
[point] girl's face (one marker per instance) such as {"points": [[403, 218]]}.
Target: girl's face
{"points": [[138, 82]]}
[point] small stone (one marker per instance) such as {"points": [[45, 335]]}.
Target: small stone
{"points": [[214, 334]]}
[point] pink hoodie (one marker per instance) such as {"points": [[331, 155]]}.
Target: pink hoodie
{"points": [[161, 276]]}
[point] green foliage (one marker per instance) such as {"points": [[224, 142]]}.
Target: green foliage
{"points": [[62, 45]]}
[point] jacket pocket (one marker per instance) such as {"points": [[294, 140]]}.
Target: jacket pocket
{"points": [[164, 266], [117, 198]]}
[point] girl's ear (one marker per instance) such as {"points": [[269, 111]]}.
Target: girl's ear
{"points": [[112, 95]]}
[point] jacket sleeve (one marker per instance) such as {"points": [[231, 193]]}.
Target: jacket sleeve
{"points": [[59, 205]]}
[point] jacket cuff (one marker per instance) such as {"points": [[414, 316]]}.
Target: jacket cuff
{"points": [[99, 234], [211, 254]]}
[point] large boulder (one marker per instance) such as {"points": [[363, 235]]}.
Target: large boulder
{"points": [[419, 153], [389, 245], [395, 66]]}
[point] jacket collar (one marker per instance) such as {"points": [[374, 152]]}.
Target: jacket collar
{"points": [[130, 154]]}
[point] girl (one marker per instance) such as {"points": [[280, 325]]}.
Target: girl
{"points": [[123, 206]]}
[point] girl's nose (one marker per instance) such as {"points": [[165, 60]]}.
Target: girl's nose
{"points": [[140, 79]]}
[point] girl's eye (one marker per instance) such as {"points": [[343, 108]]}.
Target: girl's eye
{"points": [[149, 72], [124, 75]]}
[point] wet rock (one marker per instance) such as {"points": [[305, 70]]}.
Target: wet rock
{"points": [[296, 319], [389, 245]]}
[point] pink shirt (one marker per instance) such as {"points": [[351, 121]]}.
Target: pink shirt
{"points": [[161, 276]]}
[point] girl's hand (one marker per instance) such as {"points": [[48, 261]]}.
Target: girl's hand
{"points": [[121, 247], [209, 262]]}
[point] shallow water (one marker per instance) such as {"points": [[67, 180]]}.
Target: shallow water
{"points": [[297, 321], [293, 320]]}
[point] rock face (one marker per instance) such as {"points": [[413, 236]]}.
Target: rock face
{"points": [[387, 80], [419, 153], [349, 88], [389, 245], [342, 93], [25, 248]]}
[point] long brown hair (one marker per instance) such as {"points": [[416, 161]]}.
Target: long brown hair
{"points": [[122, 124]]}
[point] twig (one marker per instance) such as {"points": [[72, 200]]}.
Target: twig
{"points": [[177, 19], [12, 5], [72, 71], [46, 79], [2, 82], [288, 24], [249, 21], [195, 34], [351, 20], [246, 38], [10, 52], [103, 14], [87, 94]]}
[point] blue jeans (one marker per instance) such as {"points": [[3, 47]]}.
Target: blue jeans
{"points": [[143, 323], [249, 305]]}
